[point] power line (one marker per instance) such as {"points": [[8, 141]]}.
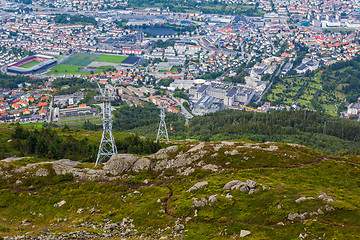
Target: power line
{"points": [[162, 131], [107, 146]]}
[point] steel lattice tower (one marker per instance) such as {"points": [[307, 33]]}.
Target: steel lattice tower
{"points": [[162, 132], [107, 146]]}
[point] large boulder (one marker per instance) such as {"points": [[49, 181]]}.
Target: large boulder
{"points": [[244, 233], [120, 163], [200, 203], [198, 186], [232, 183], [141, 164]]}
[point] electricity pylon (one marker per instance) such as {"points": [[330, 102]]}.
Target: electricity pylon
{"points": [[162, 132], [107, 146]]}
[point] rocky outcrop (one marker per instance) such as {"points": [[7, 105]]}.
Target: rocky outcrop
{"points": [[141, 165], [197, 186], [200, 203], [120, 163], [42, 172], [233, 183], [249, 186], [244, 233], [302, 199], [59, 204], [163, 154]]}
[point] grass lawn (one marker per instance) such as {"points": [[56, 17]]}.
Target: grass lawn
{"points": [[66, 69], [81, 59], [39, 124], [111, 58], [30, 64]]}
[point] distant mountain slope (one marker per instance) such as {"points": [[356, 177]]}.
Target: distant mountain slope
{"points": [[191, 190]]}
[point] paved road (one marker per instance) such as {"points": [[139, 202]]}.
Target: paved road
{"points": [[271, 82], [183, 110]]}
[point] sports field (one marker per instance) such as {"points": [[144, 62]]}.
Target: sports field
{"points": [[30, 64], [66, 69], [81, 59], [111, 58]]}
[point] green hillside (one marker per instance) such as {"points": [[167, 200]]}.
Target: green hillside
{"points": [[157, 197]]}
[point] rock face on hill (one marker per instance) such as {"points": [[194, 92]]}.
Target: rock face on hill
{"points": [[185, 161]]}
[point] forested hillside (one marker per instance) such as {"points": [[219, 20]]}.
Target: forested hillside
{"points": [[317, 130]]}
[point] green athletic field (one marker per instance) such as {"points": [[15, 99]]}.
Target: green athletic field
{"points": [[67, 69], [30, 64], [111, 58], [81, 59]]}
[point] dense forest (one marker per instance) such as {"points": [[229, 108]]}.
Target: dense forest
{"points": [[10, 81], [208, 7], [58, 143], [66, 19], [71, 85], [46, 142], [330, 135]]}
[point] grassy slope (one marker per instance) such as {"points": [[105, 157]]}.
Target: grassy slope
{"points": [[289, 172]]}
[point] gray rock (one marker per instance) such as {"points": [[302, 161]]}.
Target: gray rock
{"points": [[236, 187], [59, 204], [253, 190], [181, 160], [120, 163], [80, 210], [303, 236], [18, 182], [320, 211], [163, 154], [197, 147], [211, 167], [313, 213], [228, 196], [250, 183], [42, 172], [197, 186], [213, 198], [292, 216], [303, 215], [232, 153], [301, 199], [187, 171], [244, 233], [141, 165], [244, 188], [200, 203], [329, 208], [233, 183], [25, 222]]}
